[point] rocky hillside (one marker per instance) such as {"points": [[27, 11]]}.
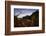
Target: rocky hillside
{"points": [[27, 21]]}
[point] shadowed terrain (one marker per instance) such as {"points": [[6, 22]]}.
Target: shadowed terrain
{"points": [[27, 21]]}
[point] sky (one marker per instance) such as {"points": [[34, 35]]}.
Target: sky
{"points": [[23, 12]]}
